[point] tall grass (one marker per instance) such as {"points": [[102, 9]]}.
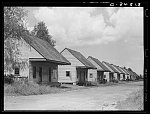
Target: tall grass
{"points": [[135, 101], [28, 88]]}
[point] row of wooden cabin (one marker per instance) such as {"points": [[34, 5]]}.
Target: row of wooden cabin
{"points": [[47, 65], [90, 69]]}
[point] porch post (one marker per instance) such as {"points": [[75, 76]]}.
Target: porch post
{"points": [[30, 72]]}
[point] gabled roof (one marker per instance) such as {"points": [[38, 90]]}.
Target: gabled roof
{"points": [[81, 58], [121, 71], [107, 66], [125, 71], [136, 74], [110, 66], [100, 64], [45, 49], [115, 67], [131, 72]]}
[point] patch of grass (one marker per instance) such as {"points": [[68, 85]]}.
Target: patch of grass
{"points": [[135, 101], [29, 88]]}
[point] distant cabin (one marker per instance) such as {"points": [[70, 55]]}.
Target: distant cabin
{"points": [[125, 75], [42, 60], [128, 73], [102, 71], [122, 75], [112, 73], [119, 73], [132, 75], [80, 70]]}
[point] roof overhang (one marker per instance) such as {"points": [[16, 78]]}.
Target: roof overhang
{"points": [[43, 59], [85, 67]]}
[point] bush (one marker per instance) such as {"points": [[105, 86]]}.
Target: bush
{"points": [[103, 81], [90, 83], [28, 88], [8, 79], [87, 83], [115, 81]]}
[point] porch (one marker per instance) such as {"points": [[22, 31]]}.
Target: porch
{"points": [[82, 75], [42, 71]]}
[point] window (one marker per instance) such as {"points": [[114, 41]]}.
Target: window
{"points": [[104, 76], [16, 71], [91, 75], [67, 73], [34, 72]]}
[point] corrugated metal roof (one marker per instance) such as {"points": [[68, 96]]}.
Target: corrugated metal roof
{"points": [[81, 58], [100, 64], [45, 49]]}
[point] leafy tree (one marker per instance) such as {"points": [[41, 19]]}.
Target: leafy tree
{"points": [[40, 31], [14, 25]]}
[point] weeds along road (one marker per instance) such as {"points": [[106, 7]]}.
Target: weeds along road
{"points": [[95, 98]]}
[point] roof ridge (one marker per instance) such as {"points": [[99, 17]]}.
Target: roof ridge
{"points": [[99, 63], [39, 46], [89, 64]]}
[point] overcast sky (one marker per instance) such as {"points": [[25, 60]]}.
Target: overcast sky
{"points": [[112, 34]]}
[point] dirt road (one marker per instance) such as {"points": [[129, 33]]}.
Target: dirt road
{"points": [[95, 98]]}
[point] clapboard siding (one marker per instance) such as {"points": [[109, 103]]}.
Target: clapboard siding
{"points": [[72, 68], [107, 76], [115, 76], [62, 73], [26, 52], [73, 60], [94, 75]]}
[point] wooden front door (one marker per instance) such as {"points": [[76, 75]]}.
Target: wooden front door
{"points": [[110, 76], [49, 74], [101, 75], [81, 76], [98, 75], [40, 74], [118, 76]]}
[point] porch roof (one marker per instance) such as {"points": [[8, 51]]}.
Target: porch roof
{"points": [[45, 49]]}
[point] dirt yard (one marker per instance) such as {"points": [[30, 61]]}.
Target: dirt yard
{"points": [[95, 98]]}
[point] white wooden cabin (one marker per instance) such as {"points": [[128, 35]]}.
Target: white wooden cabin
{"points": [[80, 70], [42, 60], [102, 71]]}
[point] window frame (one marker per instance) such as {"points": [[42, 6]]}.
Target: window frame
{"points": [[18, 71], [91, 75], [69, 73]]}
